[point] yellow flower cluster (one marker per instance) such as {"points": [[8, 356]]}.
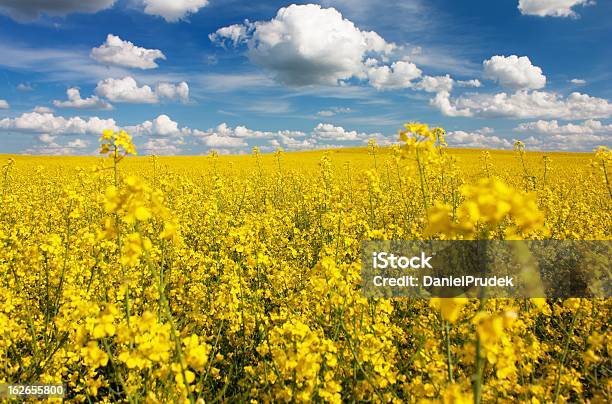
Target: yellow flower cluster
{"points": [[235, 278]]}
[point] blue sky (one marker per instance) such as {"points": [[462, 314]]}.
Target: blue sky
{"points": [[188, 76]]}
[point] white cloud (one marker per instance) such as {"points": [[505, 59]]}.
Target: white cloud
{"points": [[578, 81], [478, 139], [173, 10], [216, 140], [43, 110], [588, 127], [571, 142], [46, 138], [326, 131], [236, 33], [514, 72], [291, 143], [435, 84], [162, 146], [551, 8], [469, 83], [75, 101], [127, 90], [51, 146], [240, 131], [34, 122], [116, 51], [526, 104], [4, 104], [30, 10], [399, 75], [160, 126], [171, 91], [226, 137], [307, 44], [443, 102]]}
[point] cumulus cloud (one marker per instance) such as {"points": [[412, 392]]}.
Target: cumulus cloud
{"points": [[579, 82], [469, 83], [224, 136], [235, 33], [588, 127], [217, 140], [30, 10], [171, 91], [116, 51], [435, 84], [173, 10], [326, 131], [42, 110], [569, 142], [514, 72], [128, 90], [162, 146], [46, 138], [399, 75], [161, 126], [51, 145], [308, 44], [525, 104], [477, 139], [35, 122], [293, 143], [241, 131], [443, 102], [551, 8], [75, 101], [4, 104]]}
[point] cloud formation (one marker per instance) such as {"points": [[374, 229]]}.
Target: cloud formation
{"points": [[308, 44], [173, 10], [525, 104], [477, 139], [42, 110], [514, 72], [162, 126], [326, 131], [127, 90], [588, 127], [35, 122], [399, 75], [75, 101], [116, 51], [436, 84], [4, 104], [176, 92], [551, 8]]}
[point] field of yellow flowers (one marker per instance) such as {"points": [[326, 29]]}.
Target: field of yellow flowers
{"points": [[236, 278]]}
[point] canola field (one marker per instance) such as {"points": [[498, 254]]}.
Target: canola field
{"points": [[236, 278]]}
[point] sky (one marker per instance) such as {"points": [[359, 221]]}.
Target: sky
{"points": [[188, 76]]}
